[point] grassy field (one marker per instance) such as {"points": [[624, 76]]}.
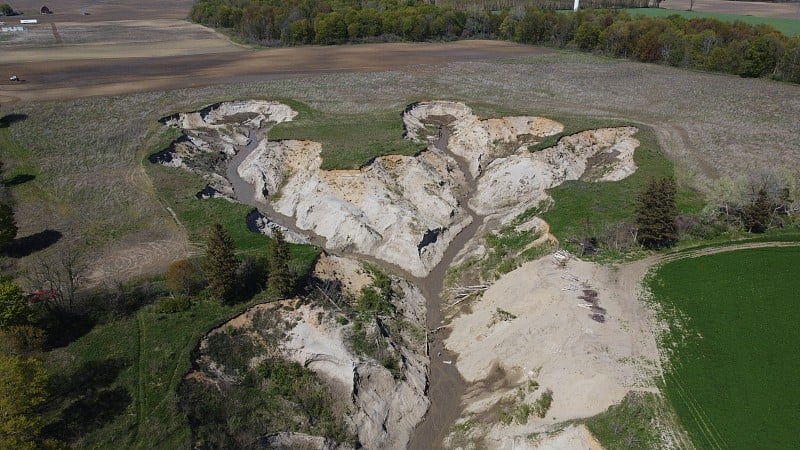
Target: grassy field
{"points": [[348, 140], [117, 388], [789, 27], [733, 375]]}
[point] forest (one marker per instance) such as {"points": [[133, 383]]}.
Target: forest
{"points": [[703, 44]]}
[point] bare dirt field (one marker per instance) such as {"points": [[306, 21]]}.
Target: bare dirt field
{"points": [[52, 77], [758, 9], [103, 10]]}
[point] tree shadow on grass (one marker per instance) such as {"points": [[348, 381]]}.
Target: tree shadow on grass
{"points": [[64, 327], [90, 412], [18, 179], [87, 400], [10, 119], [28, 245]]}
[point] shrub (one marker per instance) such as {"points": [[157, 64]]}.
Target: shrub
{"points": [[184, 277], [543, 403], [170, 305], [22, 340], [14, 309]]}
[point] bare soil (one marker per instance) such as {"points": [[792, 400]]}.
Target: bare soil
{"points": [[54, 78], [102, 10]]}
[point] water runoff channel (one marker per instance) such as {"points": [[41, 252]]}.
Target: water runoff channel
{"points": [[445, 384]]}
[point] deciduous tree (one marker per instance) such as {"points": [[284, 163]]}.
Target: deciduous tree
{"points": [[184, 277], [14, 309], [57, 279], [24, 387]]}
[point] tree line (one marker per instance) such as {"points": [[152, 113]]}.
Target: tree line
{"points": [[705, 44]]}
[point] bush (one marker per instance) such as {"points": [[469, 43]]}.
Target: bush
{"points": [[184, 277], [543, 403], [22, 340], [170, 305], [14, 309]]}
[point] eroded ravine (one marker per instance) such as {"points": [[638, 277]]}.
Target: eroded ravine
{"points": [[446, 385], [480, 165]]}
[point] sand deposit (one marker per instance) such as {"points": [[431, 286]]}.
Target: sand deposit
{"points": [[531, 325]]}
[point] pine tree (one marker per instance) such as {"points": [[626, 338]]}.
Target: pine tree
{"points": [[8, 227], [280, 277], [220, 264], [758, 213], [656, 213]]}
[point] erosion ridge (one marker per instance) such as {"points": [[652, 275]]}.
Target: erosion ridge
{"points": [[403, 210], [383, 407]]}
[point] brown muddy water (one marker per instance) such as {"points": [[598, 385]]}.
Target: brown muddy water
{"points": [[445, 385]]}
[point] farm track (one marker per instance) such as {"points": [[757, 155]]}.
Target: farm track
{"points": [[141, 406], [633, 273]]}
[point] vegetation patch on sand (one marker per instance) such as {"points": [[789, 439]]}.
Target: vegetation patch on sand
{"points": [[638, 421], [732, 374]]}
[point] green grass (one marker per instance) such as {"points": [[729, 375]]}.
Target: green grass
{"points": [[581, 206], [17, 162], [145, 356], [349, 140], [176, 188], [733, 374], [789, 27]]}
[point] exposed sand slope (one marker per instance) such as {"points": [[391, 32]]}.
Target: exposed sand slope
{"points": [[588, 365]]}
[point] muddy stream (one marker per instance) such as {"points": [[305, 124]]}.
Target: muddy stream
{"points": [[446, 385]]}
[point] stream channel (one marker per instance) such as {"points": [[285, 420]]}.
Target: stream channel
{"points": [[445, 385]]}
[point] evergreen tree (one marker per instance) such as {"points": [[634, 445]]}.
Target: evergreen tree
{"points": [[656, 213], [8, 227], [280, 277], [758, 213], [220, 264]]}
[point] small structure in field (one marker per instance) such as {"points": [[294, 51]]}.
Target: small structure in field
{"points": [[45, 10]]}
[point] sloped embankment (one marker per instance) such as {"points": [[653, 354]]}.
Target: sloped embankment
{"points": [[379, 402]]}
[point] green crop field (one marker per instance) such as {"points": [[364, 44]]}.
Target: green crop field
{"points": [[789, 27], [734, 375]]}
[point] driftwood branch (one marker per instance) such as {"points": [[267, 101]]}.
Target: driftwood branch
{"points": [[325, 294]]}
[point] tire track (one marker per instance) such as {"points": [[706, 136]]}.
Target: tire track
{"points": [[56, 34], [141, 400]]}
